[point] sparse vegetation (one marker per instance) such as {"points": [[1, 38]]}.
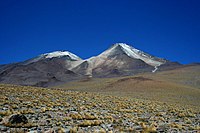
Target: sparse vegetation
{"points": [[71, 111], [144, 86]]}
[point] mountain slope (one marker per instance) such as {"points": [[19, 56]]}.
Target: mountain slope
{"points": [[186, 75], [179, 86]]}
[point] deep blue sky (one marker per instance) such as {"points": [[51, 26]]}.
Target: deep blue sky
{"points": [[164, 28]]}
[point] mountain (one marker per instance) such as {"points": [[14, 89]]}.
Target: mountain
{"points": [[122, 60], [43, 70], [58, 67]]}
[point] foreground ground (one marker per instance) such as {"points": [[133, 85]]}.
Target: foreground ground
{"points": [[49, 110]]}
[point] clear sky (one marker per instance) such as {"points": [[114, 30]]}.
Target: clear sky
{"points": [[165, 28]]}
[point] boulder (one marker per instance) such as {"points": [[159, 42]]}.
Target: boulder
{"points": [[18, 119]]}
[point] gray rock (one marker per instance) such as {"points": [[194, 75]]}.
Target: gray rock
{"points": [[3, 129]]}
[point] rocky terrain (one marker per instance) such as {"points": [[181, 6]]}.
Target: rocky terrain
{"points": [[35, 110]]}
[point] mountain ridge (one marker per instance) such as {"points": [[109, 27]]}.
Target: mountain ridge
{"points": [[63, 66]]}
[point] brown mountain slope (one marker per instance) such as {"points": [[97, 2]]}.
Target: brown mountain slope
{"points": [[188, 75], [44, 73], [169, 86]]}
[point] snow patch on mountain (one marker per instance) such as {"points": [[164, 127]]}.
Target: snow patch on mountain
{"points": [[135, 53], [155, 69], [61, 54], [55, 54]]}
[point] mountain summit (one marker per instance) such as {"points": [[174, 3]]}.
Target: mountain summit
{"points": [[122, 48], [62, 66], [56, 54]]}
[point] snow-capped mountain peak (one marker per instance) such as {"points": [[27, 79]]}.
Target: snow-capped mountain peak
{"points": [[130, 51], [55, 54], [61, 54], [133, 53]]}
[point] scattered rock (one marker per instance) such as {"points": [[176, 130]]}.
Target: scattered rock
{"points": [[71, 111], [18, 119], [4, 129]]}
